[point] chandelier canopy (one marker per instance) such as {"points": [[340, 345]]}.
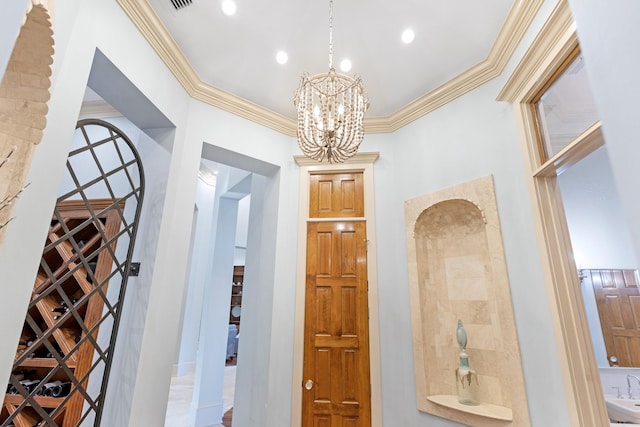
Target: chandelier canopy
{"points": [[330, 112]]}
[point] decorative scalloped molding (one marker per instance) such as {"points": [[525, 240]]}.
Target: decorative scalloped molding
{"points": [[24, 94], [558, 29], [44, 3], [149, 24]]}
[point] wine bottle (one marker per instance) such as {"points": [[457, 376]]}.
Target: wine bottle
{"points": [[29, 385], [92, 266], [11, 389], [26, 342], [56, 350], [57, 388], [65, 388], [64, 304], [50, 387]]}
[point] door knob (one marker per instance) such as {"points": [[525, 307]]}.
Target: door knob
{"points": [[308, 384]]}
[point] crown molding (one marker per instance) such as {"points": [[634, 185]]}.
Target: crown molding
{"points": [[244, 108], [151, 27], [518, 21], [557, 34]]}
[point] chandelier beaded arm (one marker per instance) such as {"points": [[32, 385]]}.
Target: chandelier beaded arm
{"points": [[331, 111]]}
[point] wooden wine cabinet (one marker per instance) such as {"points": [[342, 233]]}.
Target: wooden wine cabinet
{"points": [[64, 316]]}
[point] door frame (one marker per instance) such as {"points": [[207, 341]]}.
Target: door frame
{"points": [[580, 374], [361, 162]]}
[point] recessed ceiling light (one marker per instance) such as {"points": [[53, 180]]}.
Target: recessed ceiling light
{"points": [[282, 57], [229, 7], [345, 65], [408, 35]]}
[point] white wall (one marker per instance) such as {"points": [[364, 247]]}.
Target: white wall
{"points": [[10, 22], [599, 232], [471, 137], [198, 278], [241, 232], [609, 37], [597, 224]]}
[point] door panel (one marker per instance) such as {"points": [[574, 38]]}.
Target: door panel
{"points": [[618, 302], [336, 357], [336, 195]]}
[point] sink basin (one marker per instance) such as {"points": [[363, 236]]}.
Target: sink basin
{"points": [[623, 410]]}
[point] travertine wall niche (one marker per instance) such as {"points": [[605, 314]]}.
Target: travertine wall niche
{"points": [[457, 271]]}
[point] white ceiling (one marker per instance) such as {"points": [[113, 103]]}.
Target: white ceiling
{"points": [[237, 53]]}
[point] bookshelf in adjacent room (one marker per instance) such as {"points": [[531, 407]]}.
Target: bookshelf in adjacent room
{"points": [[235, 311]]}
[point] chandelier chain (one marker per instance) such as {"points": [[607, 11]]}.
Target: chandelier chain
{"points": [[330, 34]]}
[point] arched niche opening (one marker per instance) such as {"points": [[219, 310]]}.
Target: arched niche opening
{"points": [[457, 272]]}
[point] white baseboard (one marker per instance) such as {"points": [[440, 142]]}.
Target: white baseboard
{"points": [[181, 369], [207, 416]]}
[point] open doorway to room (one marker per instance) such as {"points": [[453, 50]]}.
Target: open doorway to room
{"points": [[578, 171], [79, 304], [109, 172], [604, 257], [227, 289], [580, 223], [211, 316]]}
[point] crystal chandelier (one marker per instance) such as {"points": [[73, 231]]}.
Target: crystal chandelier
{"points": [[330, 112]]}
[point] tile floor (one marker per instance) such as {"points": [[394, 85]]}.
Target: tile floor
{"points": [[180, 398]]}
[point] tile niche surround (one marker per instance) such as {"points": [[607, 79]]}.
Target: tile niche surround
{"points": [[457, 271]]}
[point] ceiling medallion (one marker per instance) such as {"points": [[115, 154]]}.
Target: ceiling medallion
{"points": [[330, 112]]}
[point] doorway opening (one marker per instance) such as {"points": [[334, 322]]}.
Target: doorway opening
{"points": [[225, 291], [65, 353], [604, 256], [561, 135]]}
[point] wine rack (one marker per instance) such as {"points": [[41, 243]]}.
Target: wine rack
{"points": [[57, 345]]}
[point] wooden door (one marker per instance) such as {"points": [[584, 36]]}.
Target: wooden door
{"points": [[336, 386], [618, 302]]}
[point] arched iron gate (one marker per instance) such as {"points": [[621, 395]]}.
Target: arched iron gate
{"points": [[63, 359]]}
